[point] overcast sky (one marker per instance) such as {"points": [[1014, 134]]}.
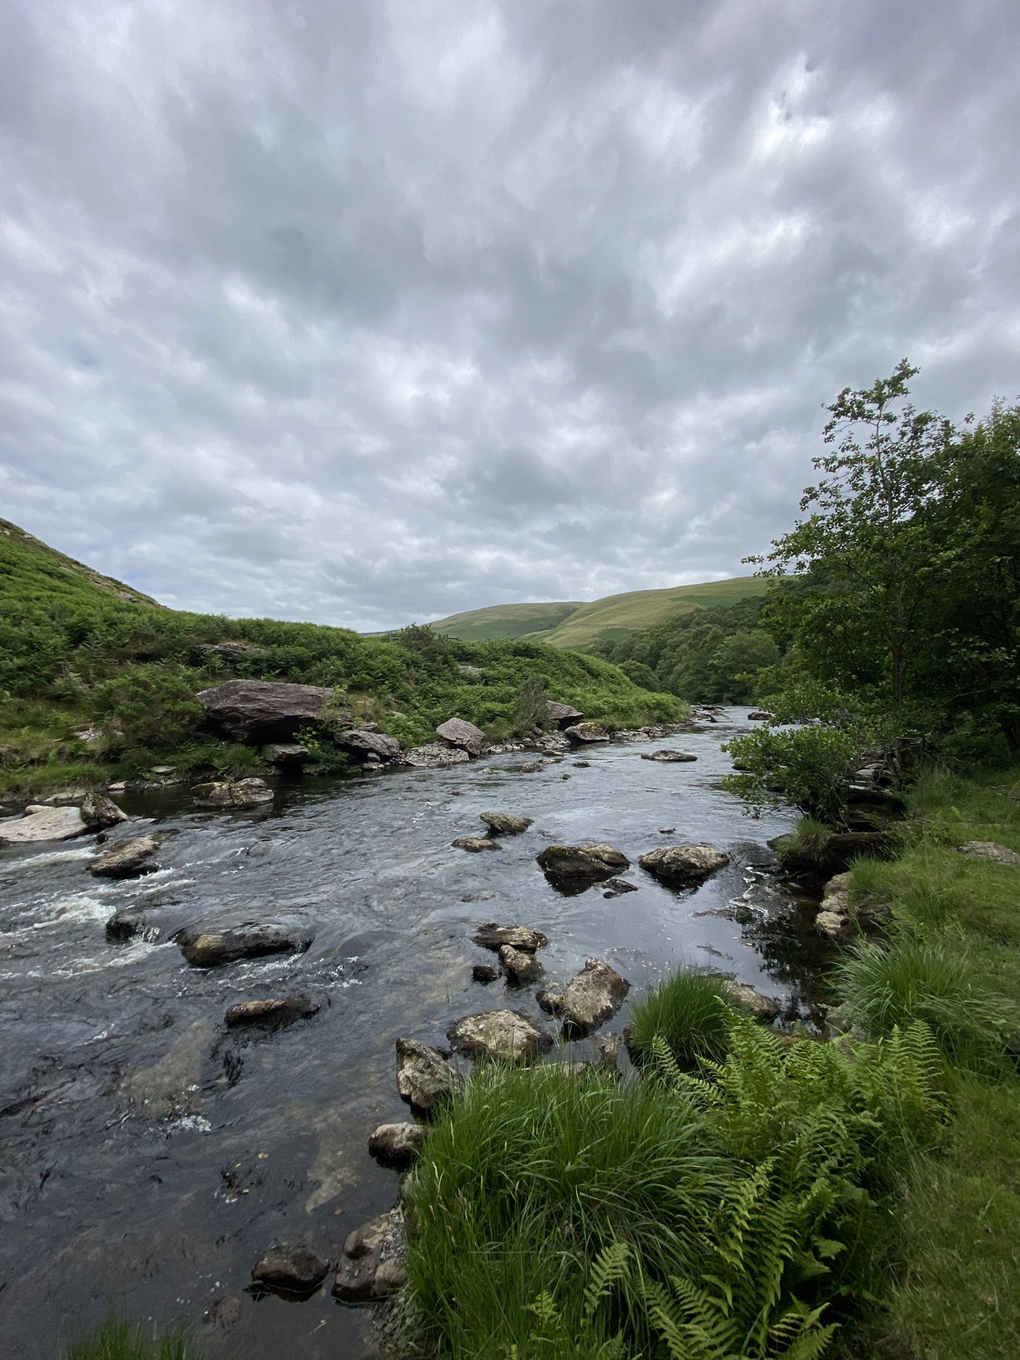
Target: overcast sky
{"points": [[367, 311]]}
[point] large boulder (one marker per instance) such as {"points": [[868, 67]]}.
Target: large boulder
{"points": [[127, 859], [562, 714], [506, 1036], [262, 710], [361, 744], [505, 823], [435, 756], [290, 1269], [371, 1267], [39, 823], [684, 863], [990, 851], [209, 948], [493, 936], [586, 733], [99, 812], [240, 793], [592, 997], [424, 1077], [272, 1012], [397, 1145], [466, 735], [582, 861]]}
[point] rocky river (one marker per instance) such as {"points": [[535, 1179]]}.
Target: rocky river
{"points": [[149, 1154]]}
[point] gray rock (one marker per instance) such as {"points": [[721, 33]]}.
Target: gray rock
{"points": [[273, 1012], [232, 649], [240, 793], [684, 863], [99, 812], [582, 764], [360, 743], [424, 1077], [471, 671], [262, 710], [463, 734], [433, 756], [475, 843], [127, 859], [520, 967], [586, 733], [991, 851], [285, 753], [562, 714], [505, 823], [592, 996], [582, 861], [762, 1007], [293, 1269], [397, 1145], [506, 1036], [39, 823], [551, 1000], [484, 972], [371, 1267], [210, 948], [129, 922], [493, 936], [668, 757]]}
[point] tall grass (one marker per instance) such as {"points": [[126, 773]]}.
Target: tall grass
{"points": [[120, 1341], [690, 1011]]}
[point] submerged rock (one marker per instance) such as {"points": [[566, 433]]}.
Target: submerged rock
{"points": [[475, 843], [592, 997], [262, 710], [761, 1007], [127, 859], [435, 757], [582, 861], [990, 851], [484, 972], [492, 936], [210, 948], [463, 734], [586, 733], [505, 823], [668, 757], [397, 1145], [520, 967], [684, 863], [424, 1077], [371, 1267], [39, 823], [240, 793], [292, 1269], [273, 1012], [99, 812], [618, 886], [506, 1036]]}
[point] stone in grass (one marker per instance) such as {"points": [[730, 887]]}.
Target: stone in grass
{"points": [[506, 1036], [505, 823], [397, 1145], [484, 972], [990, 851], [371, 1267], [668, 757], [520, 967], [582, 861], [424, 1077], [684, 863], [591, 997], [475, 844], [127, 859], [290, 1269], [272, 1012], [493, 936]]}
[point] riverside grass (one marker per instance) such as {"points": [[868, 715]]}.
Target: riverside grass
{"points": [[689, 1012], [116, 1340]]}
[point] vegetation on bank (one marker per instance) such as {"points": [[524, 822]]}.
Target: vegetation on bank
{"points": [[98, 687]]}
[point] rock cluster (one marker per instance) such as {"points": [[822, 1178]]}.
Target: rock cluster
{"points": [[371, 1266], [435, 756]]}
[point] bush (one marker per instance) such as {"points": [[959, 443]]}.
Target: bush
{"points": [[809, 767], [151, 706]]}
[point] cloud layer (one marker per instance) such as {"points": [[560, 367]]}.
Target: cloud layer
{"points": [[366, 311]]}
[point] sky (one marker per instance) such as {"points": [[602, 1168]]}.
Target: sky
{"points": [[365, 312]]}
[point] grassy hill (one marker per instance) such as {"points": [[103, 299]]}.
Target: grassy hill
{"points": [[610, 619], [98, 681]]}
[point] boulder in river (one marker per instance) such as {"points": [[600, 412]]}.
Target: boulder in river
{"points": [[466, 735], [668, 757], [563, 715], [520, 967], [127, 859], [99, 812], [505, 823], [290, 1269], [990, 851], [39, 823], [262, 710], [209, 947], [372, 1264], [475, 843], [425, 1079], [582, 861], [528, 767], [592, 997], [360, 743], [271, 1012], [485, 972], [586, 733], [759, 716], [240, 793], [397, 1145], [506, 1036], [684, 863], [493, 936]]}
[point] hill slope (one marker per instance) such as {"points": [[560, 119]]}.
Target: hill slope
{"points": [[566, 624]]}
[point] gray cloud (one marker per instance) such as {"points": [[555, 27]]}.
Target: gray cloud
{"points": [[370, 311]]}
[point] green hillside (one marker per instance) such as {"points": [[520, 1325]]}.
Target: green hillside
{"points": [[581, 625], [24, 559]]}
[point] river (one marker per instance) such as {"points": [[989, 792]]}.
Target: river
{"points": [[149, 1156]]}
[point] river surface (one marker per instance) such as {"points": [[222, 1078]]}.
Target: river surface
{"points": [[149, 1156]]}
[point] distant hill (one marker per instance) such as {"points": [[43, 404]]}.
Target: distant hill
{"points": [[579, 625]]}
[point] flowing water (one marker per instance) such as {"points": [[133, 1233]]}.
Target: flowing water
{"points": [[149, 1156]]}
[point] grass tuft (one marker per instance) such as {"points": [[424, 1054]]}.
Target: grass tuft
{"points": [[120, 1341], [690, 1011]]}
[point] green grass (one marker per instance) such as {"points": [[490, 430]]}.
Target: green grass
{"points": [[120, 1341], [689, 1010], [504, 621]]}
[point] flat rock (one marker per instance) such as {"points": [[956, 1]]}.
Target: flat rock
{"points": [[684, 863], [762, 1007], [475, 843], [272, 1012], [493, 936], [262, 710], [582, 861], [127, 859], [563, 715], [397, 1145], [592, 996], [463, 734], [371, 1267], [668, 757], [291, 1268], [210, 948], [433, 756], [39, 823], [586, 733], [99, 812], [506, 1036], [520, 967], [239, 793], [424, 1077], [505, 823], [991, 851], [361, 743]]}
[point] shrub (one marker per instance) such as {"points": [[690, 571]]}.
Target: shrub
{"points": [[809, 767], [153, 706]]}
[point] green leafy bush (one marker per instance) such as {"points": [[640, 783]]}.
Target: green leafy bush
{"points": [[809, 767], [152, 706]]}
